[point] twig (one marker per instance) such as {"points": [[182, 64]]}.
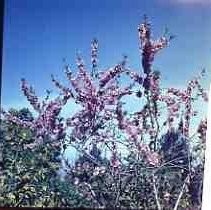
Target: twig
{"points": [[156, 194], [86, 154], [119, 191], [181, 193]]}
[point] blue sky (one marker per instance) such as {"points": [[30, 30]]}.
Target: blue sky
{"points": [[39, 34]]}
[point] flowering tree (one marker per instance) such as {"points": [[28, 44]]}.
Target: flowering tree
{"points": [[144, 159]]}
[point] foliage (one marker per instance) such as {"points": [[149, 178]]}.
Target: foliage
{"points": [[30, 175]]}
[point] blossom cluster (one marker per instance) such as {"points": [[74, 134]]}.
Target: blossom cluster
{"points": [[149, 48], [46, 125], [30, 95], [186, 97], [95, 98], [202, 130], [94, 59]]}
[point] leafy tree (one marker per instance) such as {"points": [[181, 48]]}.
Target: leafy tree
{"points": [[30, 174]]}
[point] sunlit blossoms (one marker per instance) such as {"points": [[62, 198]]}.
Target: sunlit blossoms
{"points": [[96, 97]]}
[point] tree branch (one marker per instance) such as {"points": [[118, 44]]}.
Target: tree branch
{"points": [[156, 194], [181, 193]]}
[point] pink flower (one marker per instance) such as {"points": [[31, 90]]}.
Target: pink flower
{"points": [[153, 158], [202, 129], [30, 95]]}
